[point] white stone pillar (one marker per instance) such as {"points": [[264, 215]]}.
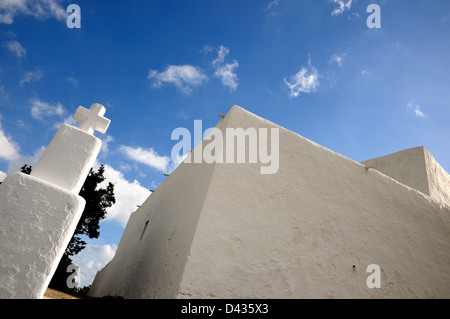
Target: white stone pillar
{"points": [[39, 212]]}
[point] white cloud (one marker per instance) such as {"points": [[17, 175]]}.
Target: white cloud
{"points": [[15, 47], [72, 80], [128, 195], [40, 108], [39, 9], [306, 80], [207, 49], [272, 4], [226, 71], [2, 176], [342, 6], [184, 77], [92, 259], [366, 72], [221, 54], [148, 157], [32, 76], [68, 120], [16, 163], [9, 150], [105, 144], [227, 74], [415, 108], [270, 9], [338, 59], [125, 167], [22, 124]]}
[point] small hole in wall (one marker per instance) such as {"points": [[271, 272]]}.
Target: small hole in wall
{"points": [[143, 231]]}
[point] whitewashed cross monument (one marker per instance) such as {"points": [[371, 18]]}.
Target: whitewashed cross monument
{"points": [[39, 212]]}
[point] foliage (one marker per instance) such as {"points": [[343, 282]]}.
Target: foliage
{"points": [[97, 201]]}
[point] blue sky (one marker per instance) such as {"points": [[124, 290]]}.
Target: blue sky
{"points": [[313, 67]]}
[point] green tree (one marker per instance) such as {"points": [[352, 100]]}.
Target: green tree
{"points": [[97, 201]]}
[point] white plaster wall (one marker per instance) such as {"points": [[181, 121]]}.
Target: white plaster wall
{"points": [[298, 233], [406, 166], [438, 180], [150, 264], [417, 168], [294, 234], [37, 221], [68, 158]]}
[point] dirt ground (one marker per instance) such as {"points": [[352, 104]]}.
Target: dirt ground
{"points": [[55, 294]]}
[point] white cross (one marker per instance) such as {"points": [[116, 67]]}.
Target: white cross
{"points": [[92, 120]]}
